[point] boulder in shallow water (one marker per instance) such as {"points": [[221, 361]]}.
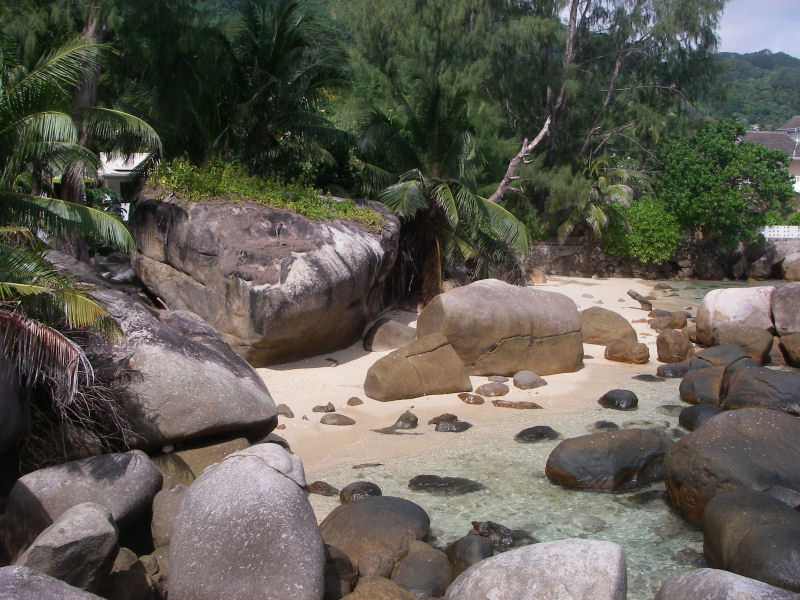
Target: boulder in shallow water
{"points": [[754, 535], [694, 416], [358, 490], [673, 346], [245, 526], [424, 571], [714, 584], [703, 386], [426, 366], [375, 525], [571, 569], [444, 486], [750, 448], [758, 387], [499, 329], [751, 306], [608, 461]]}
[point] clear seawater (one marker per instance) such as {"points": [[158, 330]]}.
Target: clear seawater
{"points": [[657, 541]]}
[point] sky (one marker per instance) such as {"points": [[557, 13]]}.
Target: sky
{"points": [[753, 25]]}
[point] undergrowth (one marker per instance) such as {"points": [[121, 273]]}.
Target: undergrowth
{"points": [[215, 179]]}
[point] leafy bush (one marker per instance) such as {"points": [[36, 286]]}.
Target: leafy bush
{"points": [[793, 219], [773, 217], [652, 234], [215, 179]]}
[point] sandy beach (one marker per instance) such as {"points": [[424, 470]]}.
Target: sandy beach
{"points": [[338, 376]]}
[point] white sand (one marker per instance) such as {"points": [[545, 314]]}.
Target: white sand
{"points": [[316, 381]]}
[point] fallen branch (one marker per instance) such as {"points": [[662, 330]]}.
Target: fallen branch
{"points": [[520, 158]]}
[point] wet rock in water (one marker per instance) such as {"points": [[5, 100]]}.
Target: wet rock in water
{"points": [[673, 370], [627, 352], [572, 569], [760, 387], [674, 433], [445, 417], [715, 584], [354, 401], [608, 461], [471, 398], [466, 551], [663, 286], [285, 411], [359, 490], [497, 378], [694, 416], [648, 378], [671, 410], [519, 404], [724, 355], [587, 523], [382, 525], [499, 536], [734, 305], [655, 426], [367, 465], [424, 571], [690, 558], [603, 326], [388, 334], [492, 389], [452, 426], [619, 400], [336, 419], [324, 408], [444, 486], [755, 535], [643, 499], [528, 380], [751, 448], [603, 426], [536, 434], [323, 488], [703, 386], [379, 588]]}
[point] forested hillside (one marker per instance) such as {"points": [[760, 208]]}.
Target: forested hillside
{"points": [[760, 88]]}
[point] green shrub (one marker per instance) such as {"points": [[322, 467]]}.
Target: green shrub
{"points": [[652, 233], [215, 179], [793, 219], [773, 217]]}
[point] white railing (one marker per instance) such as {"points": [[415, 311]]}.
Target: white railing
{"points": [[781, 232]]}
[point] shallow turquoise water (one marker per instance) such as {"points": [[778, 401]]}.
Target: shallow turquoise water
{"points": [[658, 542]]}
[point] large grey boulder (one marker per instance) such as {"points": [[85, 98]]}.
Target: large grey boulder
{"points": [[786, 316], [763, 388], [752, 448], [123, 483], [78, 548], [714, 584], [22, 583], [245, 529], [11, 419], [426, 366], [603, 326], [388, 334], [275, 284], [608, 460], [755, 535], [731, 306], [177, 377], [499, 329], [571, 569]]}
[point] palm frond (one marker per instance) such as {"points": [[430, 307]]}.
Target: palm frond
{"points": [[443, 198], [58, 217], [507, 228], [117, 130], [406, 197], [41, 354]]}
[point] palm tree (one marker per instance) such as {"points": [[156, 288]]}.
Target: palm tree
{"points": [[445, 222], [38, 138], [285, 68]]}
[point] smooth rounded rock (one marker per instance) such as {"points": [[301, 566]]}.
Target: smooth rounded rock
{"points": [[424, 571], [245, 526], [703, 386], [758, 387], [22, 583], [336, 419], [602, 326], [165, 507], [608, 461], [528, 380], [535, 434], [444, 486], [673, 346], [379, 588], [734, 305], [492, 389], [358, 490], [694, 416], [619, 400], [375, 525], [627, 352], [468, 550], [471, 398], [577, 569], [715, 584], [388, 334], [749, 448]]}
